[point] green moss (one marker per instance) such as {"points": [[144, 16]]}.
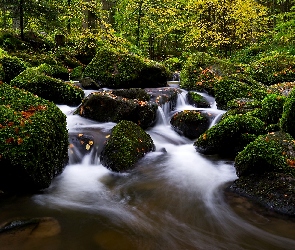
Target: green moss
{"points": [[197, 100], [77, 73], [230, 135], [55, 71], [34, 140], [11, 66], [229, 89], [272, 69], [118, 69], [271, 109], [126, 145], [190, 123], [49, 88], [271, 152], [287, 121], [201, 71]]}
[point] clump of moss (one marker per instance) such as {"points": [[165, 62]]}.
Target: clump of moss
{"points": [[230, 135], [55, 71], [49, 88], [76, 73], [34, 140], [201, 71], [272, 69], [11, 66], [287, 121], [190, 123], [271, 109], [271, 152], [230, 89], [127, 144], [118, 69], [197, 100]]}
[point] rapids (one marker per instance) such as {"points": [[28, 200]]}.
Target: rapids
{"points": [[174, 199]]}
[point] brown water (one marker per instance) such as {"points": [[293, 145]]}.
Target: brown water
{"points": [[172, 200]]}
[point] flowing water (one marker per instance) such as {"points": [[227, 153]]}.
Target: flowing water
{"points": [[174, 199]]}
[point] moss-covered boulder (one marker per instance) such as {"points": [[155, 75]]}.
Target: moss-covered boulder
{"points": [[271, 109], [106, 107], [230, 135], [114, 69], [33, 140], [190, 123], [49, 88], [55, 71], [230, 89], [272, 69], [11, 67], [127, 144], [287, 121], [197, 100], [271, 152], [281, 88], [266, 170], [201, 71]]}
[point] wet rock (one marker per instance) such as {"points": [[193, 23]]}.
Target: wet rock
{"points": [[190, 123], [287, 121], [266, 171], [197, 100], [127, 144], [29, 233], [107, 107], [162, 96], [88, 83], [230, 135]]}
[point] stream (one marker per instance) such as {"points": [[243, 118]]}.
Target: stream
{"points": [[173, 199]]}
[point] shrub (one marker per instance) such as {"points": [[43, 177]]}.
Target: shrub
{"points": [[49, 88], [127, 144], [34, 140]]}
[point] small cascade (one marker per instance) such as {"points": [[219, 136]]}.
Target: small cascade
{"points": [[216, 119], [181, 99], [161, 118]]}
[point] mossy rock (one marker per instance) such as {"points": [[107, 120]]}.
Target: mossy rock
{"points": [[34, 141], [55, 71], [271, 109], [230, 89], [230, 135], [197, 100], [272, 69], [190, 123], [76, 73], [133, 93], [271, 152], [115, 69], [201, 71], [287, 121], [275, 191], [11, 66], [107, 107], [49, 88], [127, 144]]}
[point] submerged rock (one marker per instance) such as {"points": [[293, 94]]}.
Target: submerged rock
{"points": [[127, 144], [190, 123]]}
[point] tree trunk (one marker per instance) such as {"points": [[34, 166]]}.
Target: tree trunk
{"points": [[21, 18]]}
